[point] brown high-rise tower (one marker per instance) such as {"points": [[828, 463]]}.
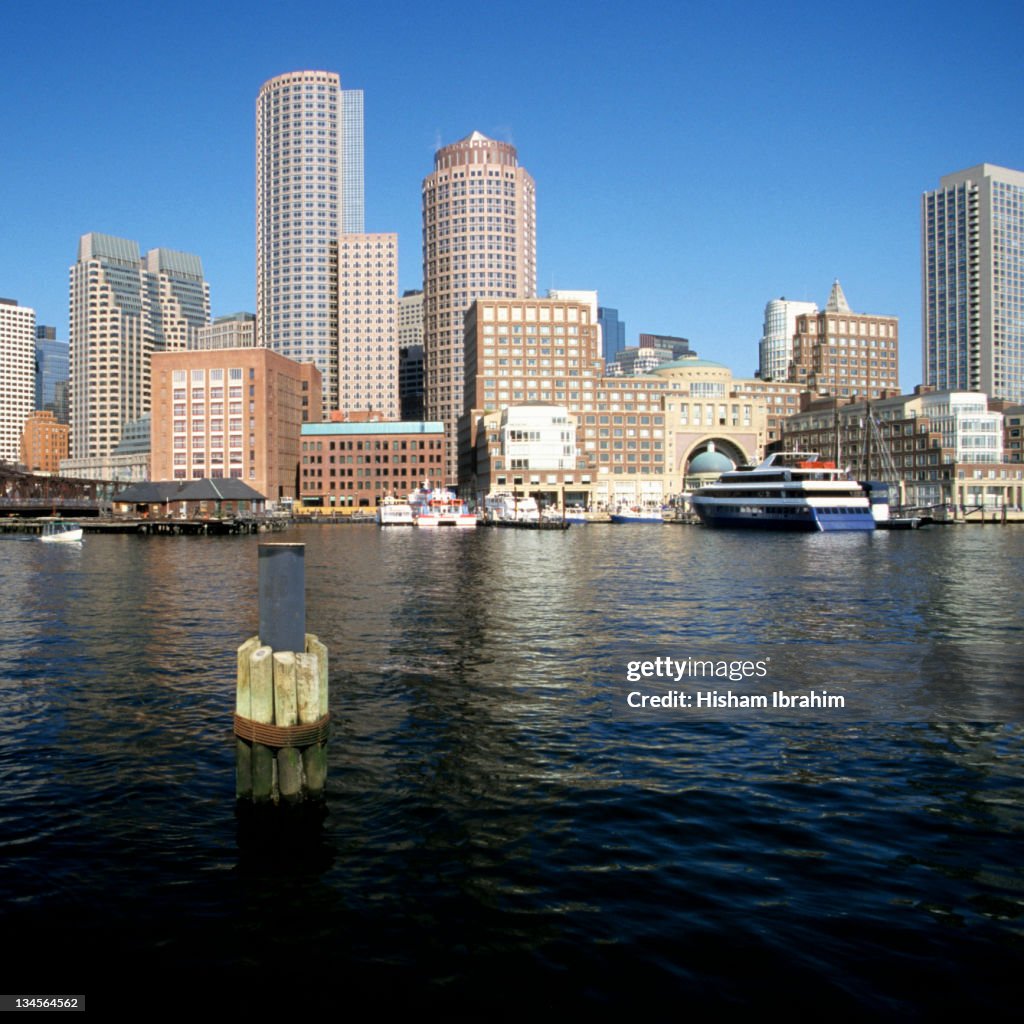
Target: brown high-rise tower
{"points": [[479, 242]]}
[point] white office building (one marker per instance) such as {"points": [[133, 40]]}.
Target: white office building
{"points": [[17, 375]]}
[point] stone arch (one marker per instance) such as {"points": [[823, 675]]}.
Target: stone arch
{"points": [[726, 445]]}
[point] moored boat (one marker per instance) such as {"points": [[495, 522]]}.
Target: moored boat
{"points": [[437, 506], [504, 506], [394, 512], [787, 491], [624, 513]]}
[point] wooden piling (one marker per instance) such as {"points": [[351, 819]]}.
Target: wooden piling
{"points": [[261, 685], [281, 704]]}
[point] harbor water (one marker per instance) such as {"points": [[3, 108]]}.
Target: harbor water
{"points": [[503, 832]]}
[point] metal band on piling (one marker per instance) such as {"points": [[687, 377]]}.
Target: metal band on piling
{"points": [[283, 735]]}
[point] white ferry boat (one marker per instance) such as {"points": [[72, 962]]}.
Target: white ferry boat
{"points": [[394, 512], [788, 491], [504, 506], [437, 506]]}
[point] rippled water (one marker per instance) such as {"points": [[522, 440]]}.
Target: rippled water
{"points": [[501, 835]]}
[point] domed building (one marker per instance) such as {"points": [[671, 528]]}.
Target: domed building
{"points": [[706, 467]]}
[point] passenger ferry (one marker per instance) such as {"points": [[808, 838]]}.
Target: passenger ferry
{"points": [[437, 506], [788, 491], [394, 512]]}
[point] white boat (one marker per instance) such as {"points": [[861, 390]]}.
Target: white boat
{"points": [[393, 511], [788, 491], [648, 513], [437, 506], [504, 506], [61, 532]]}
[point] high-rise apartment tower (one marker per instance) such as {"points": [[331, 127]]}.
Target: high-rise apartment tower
{"points": [[972, 282], [776, 347], [479, 241], [309, 189]]}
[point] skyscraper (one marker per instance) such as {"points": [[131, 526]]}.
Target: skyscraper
{"points": [[613, 333], [309, 189], [368, 324], [972, 282], [17, 374], [776, 348], [123, 309], [51, 373], [479, 241]]}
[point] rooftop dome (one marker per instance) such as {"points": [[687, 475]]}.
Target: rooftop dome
{"points": [[710, 461]]}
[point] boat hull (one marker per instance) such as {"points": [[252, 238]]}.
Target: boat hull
{"points": [[794, 519], [460, 522], [73, 536], [644, 520]]}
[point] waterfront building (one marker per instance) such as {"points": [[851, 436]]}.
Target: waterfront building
{"points": [[939, 447], [349, 465], [634, 436], [479, 241], [44, 442], [839, 352], [367, 353], [232, 414], [124, 308], [237, 330], [17, 375], [972, 282], [775, 350], [51, 373], [1013, 429], [309, 190], [613, 333]]}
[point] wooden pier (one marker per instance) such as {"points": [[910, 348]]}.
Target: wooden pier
{"points": [[159, 527]]}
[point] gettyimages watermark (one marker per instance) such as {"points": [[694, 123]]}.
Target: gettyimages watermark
{"points": [[850, 682]]}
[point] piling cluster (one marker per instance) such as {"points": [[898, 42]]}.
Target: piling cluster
{"points": [[281, 707], [281, 723]]}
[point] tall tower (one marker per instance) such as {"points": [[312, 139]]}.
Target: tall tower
{"points": [[972, 282], [17, 374], [776, 348], [125, 307], [840, 352], [309, 189], [479, 241]]}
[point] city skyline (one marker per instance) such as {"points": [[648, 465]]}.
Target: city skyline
{"points": [[690, 165]]}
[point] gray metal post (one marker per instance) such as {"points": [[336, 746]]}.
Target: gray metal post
{"points": [[282, 587]]}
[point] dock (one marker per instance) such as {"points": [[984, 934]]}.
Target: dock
{"points": [[159, 527]]}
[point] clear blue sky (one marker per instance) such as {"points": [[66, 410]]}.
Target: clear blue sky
{"points": [[692, 161]]}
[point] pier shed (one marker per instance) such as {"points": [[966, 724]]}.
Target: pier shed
{"points": [[190, 499]]}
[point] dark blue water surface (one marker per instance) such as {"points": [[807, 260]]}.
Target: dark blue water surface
{"points": [[502, 835]]}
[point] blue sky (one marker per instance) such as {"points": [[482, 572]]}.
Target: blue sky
{"points": [[692, 161]]}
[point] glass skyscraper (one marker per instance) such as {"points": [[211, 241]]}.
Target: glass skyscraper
{"points": [[51, 373], [972, 273], [613, 333]]}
